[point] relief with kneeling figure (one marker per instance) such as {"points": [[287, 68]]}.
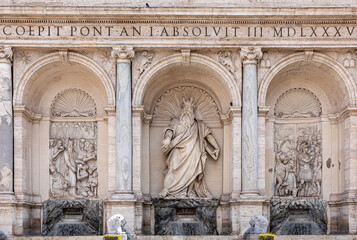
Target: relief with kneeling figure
{"points": [[298, 160], [73, 160]]}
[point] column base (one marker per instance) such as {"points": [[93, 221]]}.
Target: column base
{"points": [[7, 212], [250, 194]]}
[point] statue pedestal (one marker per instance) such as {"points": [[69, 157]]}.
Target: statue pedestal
{"points": [[185, 217]]}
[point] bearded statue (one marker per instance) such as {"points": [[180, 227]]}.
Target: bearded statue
{"points": [[187, 144]]}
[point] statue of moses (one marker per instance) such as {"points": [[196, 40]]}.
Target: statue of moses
{"points": [[187, 144]]}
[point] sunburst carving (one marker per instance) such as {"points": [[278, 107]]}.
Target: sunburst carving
{"points": [[168, 106], [297, 103], [73, 102]]}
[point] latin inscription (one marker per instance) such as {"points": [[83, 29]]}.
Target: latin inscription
{"points": [[222, 32]]}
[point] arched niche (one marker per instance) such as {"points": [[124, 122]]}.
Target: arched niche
{"points": [[203, 76], [49, 75], [331, 85], [34, 96]]}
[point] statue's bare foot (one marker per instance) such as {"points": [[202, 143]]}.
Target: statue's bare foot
{"points": [[163, 193]]}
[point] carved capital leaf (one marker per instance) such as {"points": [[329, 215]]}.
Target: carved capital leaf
{"points": [[251, 54], [123, 53], [5, 53]]}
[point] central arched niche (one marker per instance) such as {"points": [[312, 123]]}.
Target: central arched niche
{"points": [[195, 81]]}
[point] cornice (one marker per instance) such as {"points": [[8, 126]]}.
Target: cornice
{"points": [[172, 15]]}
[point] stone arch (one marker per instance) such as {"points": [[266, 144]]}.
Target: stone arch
{"points": [[198, 61], [317, 58], [72, 57]]}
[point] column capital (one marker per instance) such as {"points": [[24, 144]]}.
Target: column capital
{"points": [[5, 54], [251, 55], [123, 54]]}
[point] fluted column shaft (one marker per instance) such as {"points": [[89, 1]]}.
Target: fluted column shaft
{"points": [[6, 122], [124, 154], [250, 57]]}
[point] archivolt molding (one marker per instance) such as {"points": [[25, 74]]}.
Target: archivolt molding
{"points": [[176, 59], [72, 57], [316, 57]]}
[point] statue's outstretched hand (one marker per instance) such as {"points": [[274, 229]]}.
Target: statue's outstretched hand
{"points": [[165, 143]]}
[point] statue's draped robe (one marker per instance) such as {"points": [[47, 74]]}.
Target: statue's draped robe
{"points": [[186, 160]]}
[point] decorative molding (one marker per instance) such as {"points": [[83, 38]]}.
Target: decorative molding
{"points": [[308, 55], [265, 62], [349, 61], [226, 59], [297, 103], [123, 54], [63, 55], [186, 57], [5, 54], [168, 106], [73, 102], [251, 55], [146, 59]]}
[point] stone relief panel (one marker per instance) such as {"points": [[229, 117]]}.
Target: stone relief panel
{"points": [[298, 160], [297, 103], [73, 147], [168, 106]]}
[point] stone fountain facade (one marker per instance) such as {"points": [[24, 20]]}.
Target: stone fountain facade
{"points": [[186, 117]]}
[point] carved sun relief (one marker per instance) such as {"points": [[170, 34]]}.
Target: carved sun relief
{"points": [[297, 103], [73, 102], [168, 106]]}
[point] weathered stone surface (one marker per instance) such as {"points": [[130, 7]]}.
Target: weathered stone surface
{"points": [[185, 217], [72, 218], [298, 216]]}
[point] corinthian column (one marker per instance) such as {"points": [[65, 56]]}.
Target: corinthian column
{"points": [[6, 122], [250, 57], [124, 154]]}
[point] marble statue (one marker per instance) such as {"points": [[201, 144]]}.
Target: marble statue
{"points": [[258, 225], [116, 224], [187, 144]]}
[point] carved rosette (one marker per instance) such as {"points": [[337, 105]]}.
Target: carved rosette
{"points": [[123, 54], [168, 106], [251, 55], [5, 54]]}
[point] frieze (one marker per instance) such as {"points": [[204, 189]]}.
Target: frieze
{"points": [[176, 30]]}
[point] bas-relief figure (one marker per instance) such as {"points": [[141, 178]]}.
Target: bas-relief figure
{"points": [[5, 178], [187, 144], [73, 158]]}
